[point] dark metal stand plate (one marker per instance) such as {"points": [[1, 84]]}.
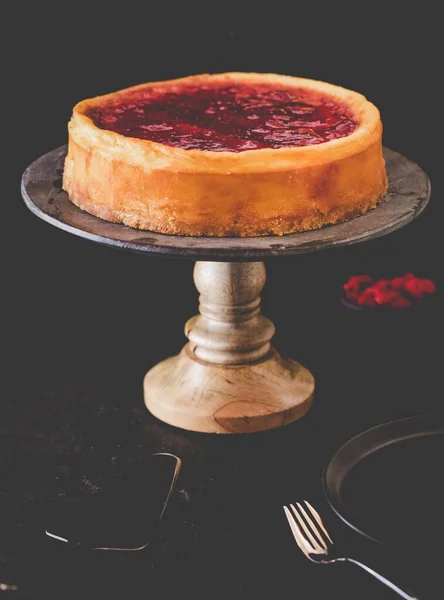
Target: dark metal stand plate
{"points": [[407, 196], [387, 483]]}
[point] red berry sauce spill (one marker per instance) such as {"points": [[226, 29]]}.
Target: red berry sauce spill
{"points": [[226, 118]]}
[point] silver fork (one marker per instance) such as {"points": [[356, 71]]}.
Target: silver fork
{"points": [[315, 542]]}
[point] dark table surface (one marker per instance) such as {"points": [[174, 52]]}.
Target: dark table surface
{"points": [[83, 323]]}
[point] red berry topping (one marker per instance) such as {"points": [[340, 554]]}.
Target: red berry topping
{"points": [[226, 118]]}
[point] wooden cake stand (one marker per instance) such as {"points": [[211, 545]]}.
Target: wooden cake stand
{"points": [[228, 378]]}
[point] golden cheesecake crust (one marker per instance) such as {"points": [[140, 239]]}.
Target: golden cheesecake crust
{"points": [[269, 191]]}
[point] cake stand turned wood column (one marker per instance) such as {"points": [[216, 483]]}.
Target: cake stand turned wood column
{"points": [[228, 378]]}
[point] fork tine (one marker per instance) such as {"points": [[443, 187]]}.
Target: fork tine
{"points": [[300, 539], [317, 516], [313, 527], [316, 548]]}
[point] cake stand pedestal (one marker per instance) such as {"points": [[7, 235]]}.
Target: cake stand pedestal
{"points": [[228, 378]]}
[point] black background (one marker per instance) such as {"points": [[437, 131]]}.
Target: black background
{"points": [[82, 323]]}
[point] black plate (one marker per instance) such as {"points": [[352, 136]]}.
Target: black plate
{"points": [[125, 514], [387, 483]]}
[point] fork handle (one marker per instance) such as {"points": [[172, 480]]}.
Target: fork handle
{"points": [[403, 593]]}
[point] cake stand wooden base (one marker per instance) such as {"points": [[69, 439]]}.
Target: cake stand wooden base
{"points": [[228, 378]]}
